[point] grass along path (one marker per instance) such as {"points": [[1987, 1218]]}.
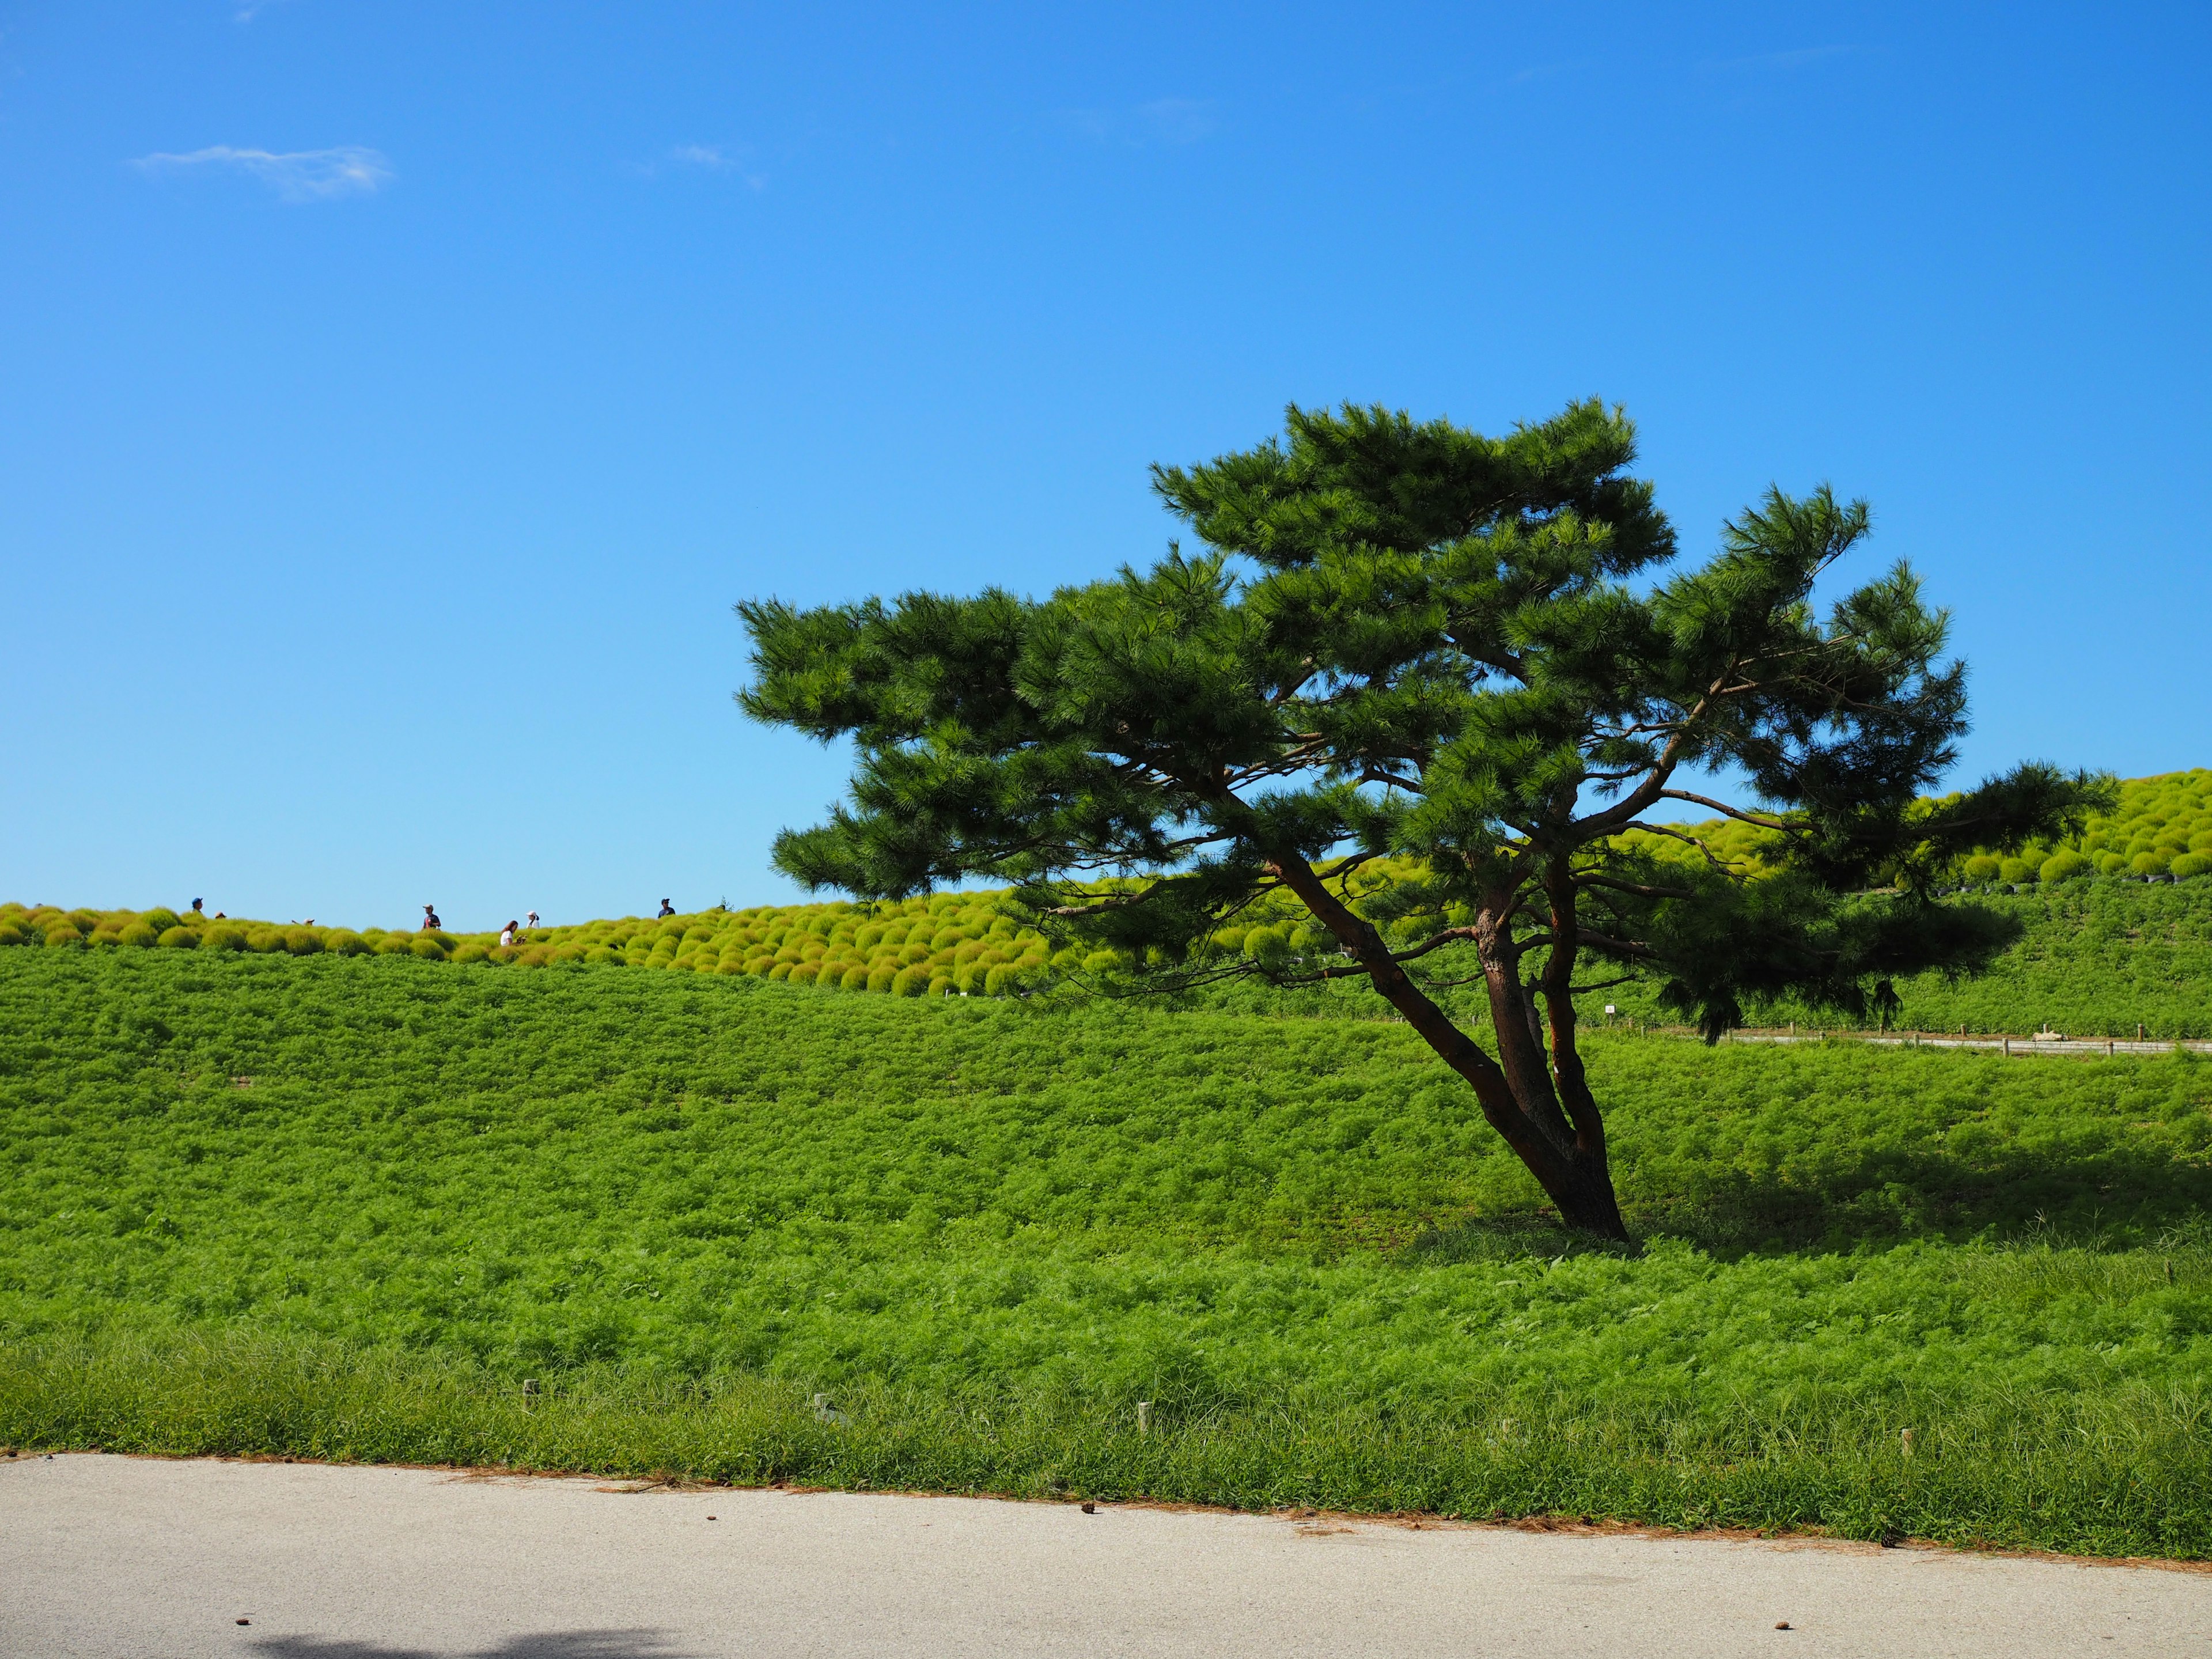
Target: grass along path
{"points": [[343, 1208]]}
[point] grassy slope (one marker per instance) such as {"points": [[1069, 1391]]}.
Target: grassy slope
{"points": [[690, 1201], [2096, 958]]}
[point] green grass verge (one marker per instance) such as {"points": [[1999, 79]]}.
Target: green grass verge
{"points": [[2121, 1473], [334, 1207]]}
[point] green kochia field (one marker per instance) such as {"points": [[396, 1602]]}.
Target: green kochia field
{"points": [[343, 1207]]}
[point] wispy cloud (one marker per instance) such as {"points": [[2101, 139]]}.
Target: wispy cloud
{"points": [[300, 175], [712, 158], [1167, 121], [246, 10]]}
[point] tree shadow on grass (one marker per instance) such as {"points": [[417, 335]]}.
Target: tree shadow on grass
{"points": [[545, 1644], [2115, 1197]]}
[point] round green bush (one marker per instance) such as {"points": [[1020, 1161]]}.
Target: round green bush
{"points": [[2064, 866], [910, 981], [344, 942], [474, 950], [940, 984], [426, 946], [302, 941], [2150, 864], [62, 931], [2111, 864], [879, 979], [602, 953], [161, 918], [141, 934], [2190, 863], [998, 982], [1983, 866], [394, 945], [10, 934], [179, 939], [2015, 871]]}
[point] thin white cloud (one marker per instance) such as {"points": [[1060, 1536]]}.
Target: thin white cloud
{"points": [[300, 175], [713, 159], [1174, 120], [1168, 121]]}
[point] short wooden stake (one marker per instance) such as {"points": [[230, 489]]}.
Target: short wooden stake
{"points": [[1144, 1417]]}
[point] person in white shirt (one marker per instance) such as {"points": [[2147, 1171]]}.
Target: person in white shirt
{"points": [[507, 934]]}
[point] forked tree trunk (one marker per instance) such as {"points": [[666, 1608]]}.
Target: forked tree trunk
{"points": [[1520, 1095]]}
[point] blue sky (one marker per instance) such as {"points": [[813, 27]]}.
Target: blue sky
{"points": [[397, 398]]}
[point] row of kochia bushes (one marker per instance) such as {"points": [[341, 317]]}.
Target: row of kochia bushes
{"points": [[960, 943], [951, 944], [2160, 826]]}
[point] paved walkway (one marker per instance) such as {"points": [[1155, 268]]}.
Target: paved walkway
{"points": [[116, 1556]]}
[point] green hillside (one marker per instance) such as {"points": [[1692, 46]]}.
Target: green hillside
{"points": [[341, 1208]]}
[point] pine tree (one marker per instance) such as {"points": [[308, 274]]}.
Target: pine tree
{"points": [[1406, 640]]}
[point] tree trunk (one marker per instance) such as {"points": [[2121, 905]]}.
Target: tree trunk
{"points": [[1517, 1100]]}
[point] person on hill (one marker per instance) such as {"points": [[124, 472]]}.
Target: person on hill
{"points": [[667, 908], [534, 918], [507, 935], [430, 921], [197, 911]]}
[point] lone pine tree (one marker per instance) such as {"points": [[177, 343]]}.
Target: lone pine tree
{"points": [[1471, 655]]}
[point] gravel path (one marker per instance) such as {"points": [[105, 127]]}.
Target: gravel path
{"points": [[153, 1559]]}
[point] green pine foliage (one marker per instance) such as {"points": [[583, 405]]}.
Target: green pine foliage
{"points": [[339, 1206]]}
